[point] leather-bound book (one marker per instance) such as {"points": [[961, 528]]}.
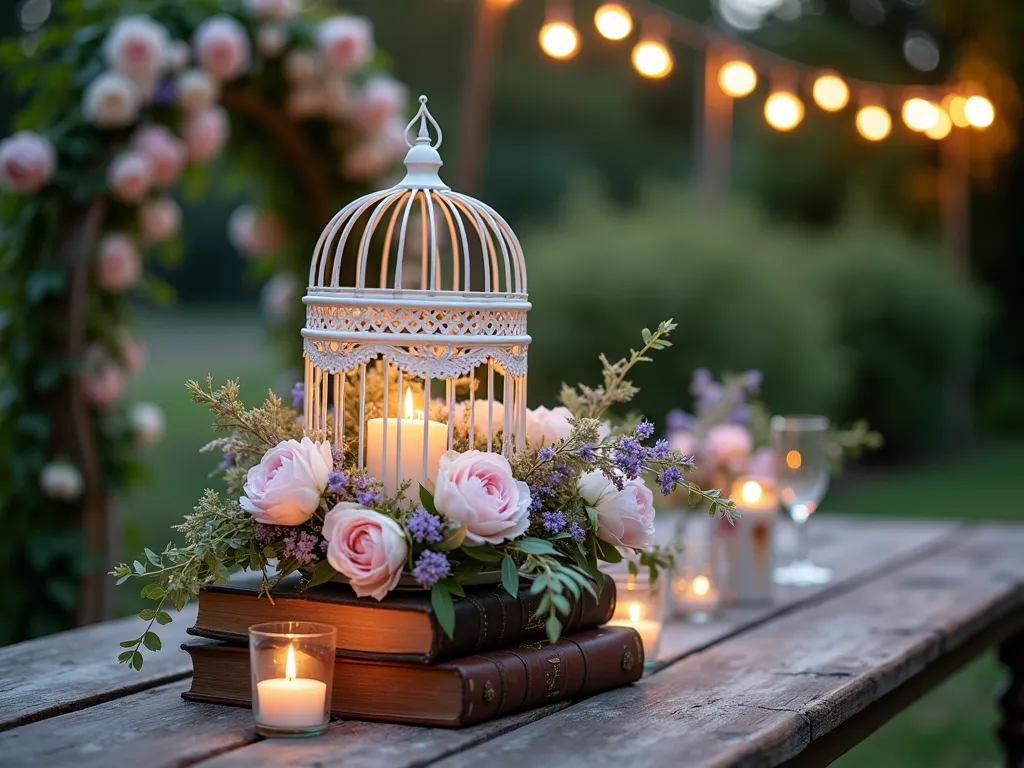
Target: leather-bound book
{"points": [[401, 627], [447, 694]]}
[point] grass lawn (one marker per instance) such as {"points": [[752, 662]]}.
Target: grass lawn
{"points": [[951, 728]]}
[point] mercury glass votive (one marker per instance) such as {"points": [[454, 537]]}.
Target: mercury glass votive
{"points": [[292, 670], [641, 605]]}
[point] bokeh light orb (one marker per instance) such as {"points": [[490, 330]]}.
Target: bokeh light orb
{"points": [[873, 123], [737, 79], [954, 106], [942, 128], [559, 40], [783, 111], [979, 112], [613, 21], [831, 93], [652, 59], [920, 114]]}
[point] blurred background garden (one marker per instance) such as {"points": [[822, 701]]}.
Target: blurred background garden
{"points": [[826, 262]]}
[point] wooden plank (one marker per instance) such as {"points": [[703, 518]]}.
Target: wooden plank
{"points": [[72, 670], [851, 548], [761, 697], [153, 728]]}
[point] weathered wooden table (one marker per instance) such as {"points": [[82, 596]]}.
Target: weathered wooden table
{"points": [[796, 683]]}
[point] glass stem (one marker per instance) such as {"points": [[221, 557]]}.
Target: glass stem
{"points": [[803, 544]]}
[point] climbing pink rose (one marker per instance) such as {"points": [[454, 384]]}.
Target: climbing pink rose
{"points": [[102, 379], [256, 233], [381, 100], [624, 518], [286, 486], [477, 490], [205, 133], [345, 42], [177, 55], [111, 101], [682, 441], [222, 47], [366, 547], [165, 152], [547, 426], [479, 417], [159, 220], [273, 9], [271, 38], [729, 441], [118, 266], [27, 162], [133, 354], [196, 90], [137, 48], [129, 177]]}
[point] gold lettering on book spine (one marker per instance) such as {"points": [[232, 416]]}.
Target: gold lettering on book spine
{"points": [[553, 678]]}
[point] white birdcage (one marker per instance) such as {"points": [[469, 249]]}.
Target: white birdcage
{"points": [[450, 306]]}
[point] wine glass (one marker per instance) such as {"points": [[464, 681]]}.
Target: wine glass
{"points": [[800, 444]]}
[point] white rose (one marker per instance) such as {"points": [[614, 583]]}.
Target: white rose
{"points": [[111, 101], [546, 427], [345, 42], [196, 90], [61, 480], [222, 47], [148, 424], [137, 48], [159, 220], [177, 55], [624, 518]]}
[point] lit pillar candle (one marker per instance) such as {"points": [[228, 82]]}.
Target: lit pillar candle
{"points": [[748, 544], [649, 629], [405, 461], [290, 701]]}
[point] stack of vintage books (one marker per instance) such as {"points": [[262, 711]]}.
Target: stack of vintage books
{"points": [[395, 664]]}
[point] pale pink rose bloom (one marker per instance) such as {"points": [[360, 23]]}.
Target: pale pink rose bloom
{"points": [[137, 48], [129, 177], [281, 10], [682, 441], [306, 101], [177, 55], [280, 297], [479, 417], [103, 381], [547, 426], [366, 547], [159, 220], [382, 99], [111, 101], [271, 38], [338, 98], [222, 47], [148, 424], [624, 518], [62, 481], [133, 354], [762, 463], [27, 162], [726, 442], [196, 90], [205, 134], [165, 152], [365, 161], [345, 42], [256, 233], [300, 66], [286, 486], [118, 266], [477, 490]]}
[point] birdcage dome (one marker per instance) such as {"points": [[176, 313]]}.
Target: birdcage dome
{"points": [[433, 279]]}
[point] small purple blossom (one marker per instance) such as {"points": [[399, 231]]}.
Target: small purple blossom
{"points": [[363, 482], [430, 568], [227, 461], [586, 452], [629, 456], [577, 532], [668, 477], [661, 450], [424, 527], [368, 498], [299, 395], [679, 421], [546, 453], [301, 545], [644, 430], [752, 381], [554, 522], [339, 457], [264, 532], [741, 415], [337, 482], [323, 546], [165, 94], [701, 381], [537, 495]]}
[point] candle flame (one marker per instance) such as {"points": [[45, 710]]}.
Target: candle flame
{"points": [[634, 612], [407, 411], [701, 585], [289, 667], [751, 491]]}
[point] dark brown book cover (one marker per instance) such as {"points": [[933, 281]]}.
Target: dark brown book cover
{"points": [[448, 694], [402, 627]]}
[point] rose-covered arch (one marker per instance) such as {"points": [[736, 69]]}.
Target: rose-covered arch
{"points": [[122, 108]]}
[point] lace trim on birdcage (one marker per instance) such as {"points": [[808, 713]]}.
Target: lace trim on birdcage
{"points": [[435, 362], [442, 321]]}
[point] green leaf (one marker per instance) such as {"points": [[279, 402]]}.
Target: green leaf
{"points": [[163, 617], [139, 567], [129, 643], [151, 641], [136, 662], [572, 586], [536, 546], [125, 657], [454, 587], [561, 604], [608, 552], [633, 567], [467, 569], [484, 554], [427, 500], [148, 615], [122, 580], [539, 585], [646, 334], [322, 573], [152, 557], [453, 540], [510, 576], [444, 609], [592, 514], [553, 627], [152, 591]]}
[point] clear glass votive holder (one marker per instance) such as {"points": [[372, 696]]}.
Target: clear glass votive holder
{"points": [[695, 594], [292, 671], [640, 605]]}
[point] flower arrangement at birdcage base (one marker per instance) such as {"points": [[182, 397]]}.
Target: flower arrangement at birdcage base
{"points": [[409, 455]]}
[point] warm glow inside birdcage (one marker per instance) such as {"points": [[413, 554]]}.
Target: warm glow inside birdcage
{"points": [[415, 336]]}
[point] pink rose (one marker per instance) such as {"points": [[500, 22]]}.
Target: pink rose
{"points": [[306, 101], [682, 441], [762, 464], [165, 152], [624, 518], [256, 233], [280, 298], [159, 220], [27, 162], [300, 66], [196, 90], [382, 99], [544, 426], [365, 547], [177, 55], [205, 133], [119, 266], [463, 416], [281, 10], [111, 101], [726, 442], [345, 42], [137, 48], [129, 177], [286, 486], [222, 47], [271, 39], [103, 381], [477, 490]]}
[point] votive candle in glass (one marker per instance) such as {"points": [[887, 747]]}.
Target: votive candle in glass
{"points": [[640, 605], [292, 669], [696, 595], [748, 545]]}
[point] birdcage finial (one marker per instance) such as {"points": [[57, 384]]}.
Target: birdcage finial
{"points": [[423, 135], [423, 160]]}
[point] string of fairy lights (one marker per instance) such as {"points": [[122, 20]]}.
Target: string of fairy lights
{"points": [[934, 111]]}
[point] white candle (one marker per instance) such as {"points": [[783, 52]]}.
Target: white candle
{"points": [[290, 701], [409, 464], [697, 596], [649, 630], [748, 544]]}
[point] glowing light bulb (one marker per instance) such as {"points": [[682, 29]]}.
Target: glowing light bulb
{"points": [[874, 124], [737, 79], [613, 21], [652, 59], [783, 111], [979, 112], [701, 585], [942, 128], [559, 40], [634, 612], [794, 460], [289, 666], [751, 491], [831, 93], [407, 412], [920, 114]]}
